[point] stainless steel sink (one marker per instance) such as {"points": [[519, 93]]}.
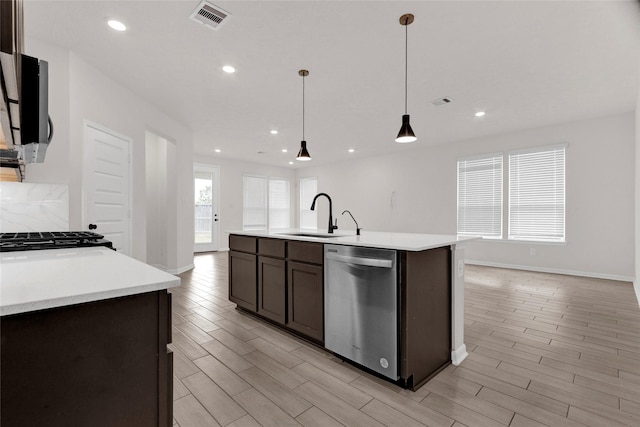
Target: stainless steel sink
{"points": [[302, 234]]}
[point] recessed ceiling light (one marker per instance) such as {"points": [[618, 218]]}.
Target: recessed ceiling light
{"points": [[228, 69], [351, 150], [274, 132], [480, 114], [116, 25], [290, 163], [284, 150], [217, 150]]}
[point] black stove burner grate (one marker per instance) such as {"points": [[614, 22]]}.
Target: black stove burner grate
{"points": [[50, 240], [33, 236]]}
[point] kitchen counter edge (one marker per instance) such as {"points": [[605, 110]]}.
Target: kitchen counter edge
{"points": [[80, 275], [371, 239]]}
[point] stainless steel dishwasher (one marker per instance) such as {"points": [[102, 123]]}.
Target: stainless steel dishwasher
{"points": [[361, 306]]}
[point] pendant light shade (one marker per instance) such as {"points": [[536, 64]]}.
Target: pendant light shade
{"points": [[303, 154], [406, 133]]}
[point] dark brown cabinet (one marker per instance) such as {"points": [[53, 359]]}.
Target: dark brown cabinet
{"points": [[305, 289], [287, 279], [102, 363], [425, 314], [280, 280], [272, 276], [242, 271], [272, 279], [306, 302], [242, 279]]}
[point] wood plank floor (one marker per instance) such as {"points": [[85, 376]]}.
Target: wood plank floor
{"points": [[544, 349]]}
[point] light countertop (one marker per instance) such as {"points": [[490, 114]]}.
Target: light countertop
{"points": [[370, 239], [36, 280]]}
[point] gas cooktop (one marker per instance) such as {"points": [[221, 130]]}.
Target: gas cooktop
{"points": [[51, 240]]}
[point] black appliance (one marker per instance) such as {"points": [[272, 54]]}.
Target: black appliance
{"points": [[34, 109], [51, 240]]}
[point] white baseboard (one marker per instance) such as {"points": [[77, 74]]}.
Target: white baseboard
{"points": [[552, 270], [182, 269], [173, 271], [459, 354], [636, 287]]}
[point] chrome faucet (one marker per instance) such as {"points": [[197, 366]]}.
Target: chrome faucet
{"points": [[354, 220], [313, 208]]}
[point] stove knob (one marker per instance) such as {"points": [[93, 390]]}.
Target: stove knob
{"points": [[92, 226]]}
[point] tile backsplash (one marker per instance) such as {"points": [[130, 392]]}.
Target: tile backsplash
{"points": [[33, 207]]}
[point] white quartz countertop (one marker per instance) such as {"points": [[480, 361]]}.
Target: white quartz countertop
{"points": [[370, 239], [36, 280]]}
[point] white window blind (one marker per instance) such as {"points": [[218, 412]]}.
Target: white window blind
{"points": [[308, 190], [480, 196], [537, 195], [254, 199], [279, 203]]}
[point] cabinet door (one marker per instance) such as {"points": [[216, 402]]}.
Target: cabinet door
{"points": [[100, 364], [242, 280], [272, 288], [305, 293]]}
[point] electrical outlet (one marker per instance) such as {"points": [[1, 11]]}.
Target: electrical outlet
{"points": [[532, 251]]}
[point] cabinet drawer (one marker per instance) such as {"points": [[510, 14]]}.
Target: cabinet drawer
{"points": [[243, 243], [272, 247], [305, 252]]}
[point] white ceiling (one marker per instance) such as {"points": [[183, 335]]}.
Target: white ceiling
{"points": [[527, 64]]}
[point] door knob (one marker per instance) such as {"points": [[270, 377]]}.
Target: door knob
{"points": [[92, 226]]}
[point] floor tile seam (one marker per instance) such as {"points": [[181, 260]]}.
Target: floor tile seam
{"points": [[204, 406], [613, 422], [329, 391], [467, 407]]}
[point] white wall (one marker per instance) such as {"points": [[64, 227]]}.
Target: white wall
{"points": [[230, 197], [637, 210], [79, 91], [416, 191], [156, 199]]}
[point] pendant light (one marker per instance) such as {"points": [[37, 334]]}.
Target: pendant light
{"points": [[303, 154], [406, 133]]}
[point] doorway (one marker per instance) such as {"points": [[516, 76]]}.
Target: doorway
{"points": [[161, 201], [206, 189]]}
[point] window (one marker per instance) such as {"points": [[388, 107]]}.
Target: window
{"points": [[254, 203], [537, 195], [266, 203], [308, 190], [480, 196], [279, 204]]}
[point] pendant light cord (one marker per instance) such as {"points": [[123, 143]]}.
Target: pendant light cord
{"points": [[303, 107], [406, 61]]}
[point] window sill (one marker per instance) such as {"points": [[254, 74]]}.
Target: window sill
{"points": [[524, 242]]}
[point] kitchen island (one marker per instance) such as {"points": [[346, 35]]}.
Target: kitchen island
{"points": [[279, 276], [84, 339]]}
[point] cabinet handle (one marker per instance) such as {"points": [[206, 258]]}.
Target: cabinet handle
{"points": [[368, 262]]}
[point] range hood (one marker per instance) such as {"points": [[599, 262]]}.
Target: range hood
{"points": [[24, 102]]}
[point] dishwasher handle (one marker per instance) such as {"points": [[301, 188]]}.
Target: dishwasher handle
{"points": [[368, 262]]}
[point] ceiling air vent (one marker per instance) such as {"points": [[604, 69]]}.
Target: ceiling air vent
{"points": [[440, 101], [210, 15]]}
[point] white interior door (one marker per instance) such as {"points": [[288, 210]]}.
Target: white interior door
{"points": [[106, 185], [205, 185]]}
